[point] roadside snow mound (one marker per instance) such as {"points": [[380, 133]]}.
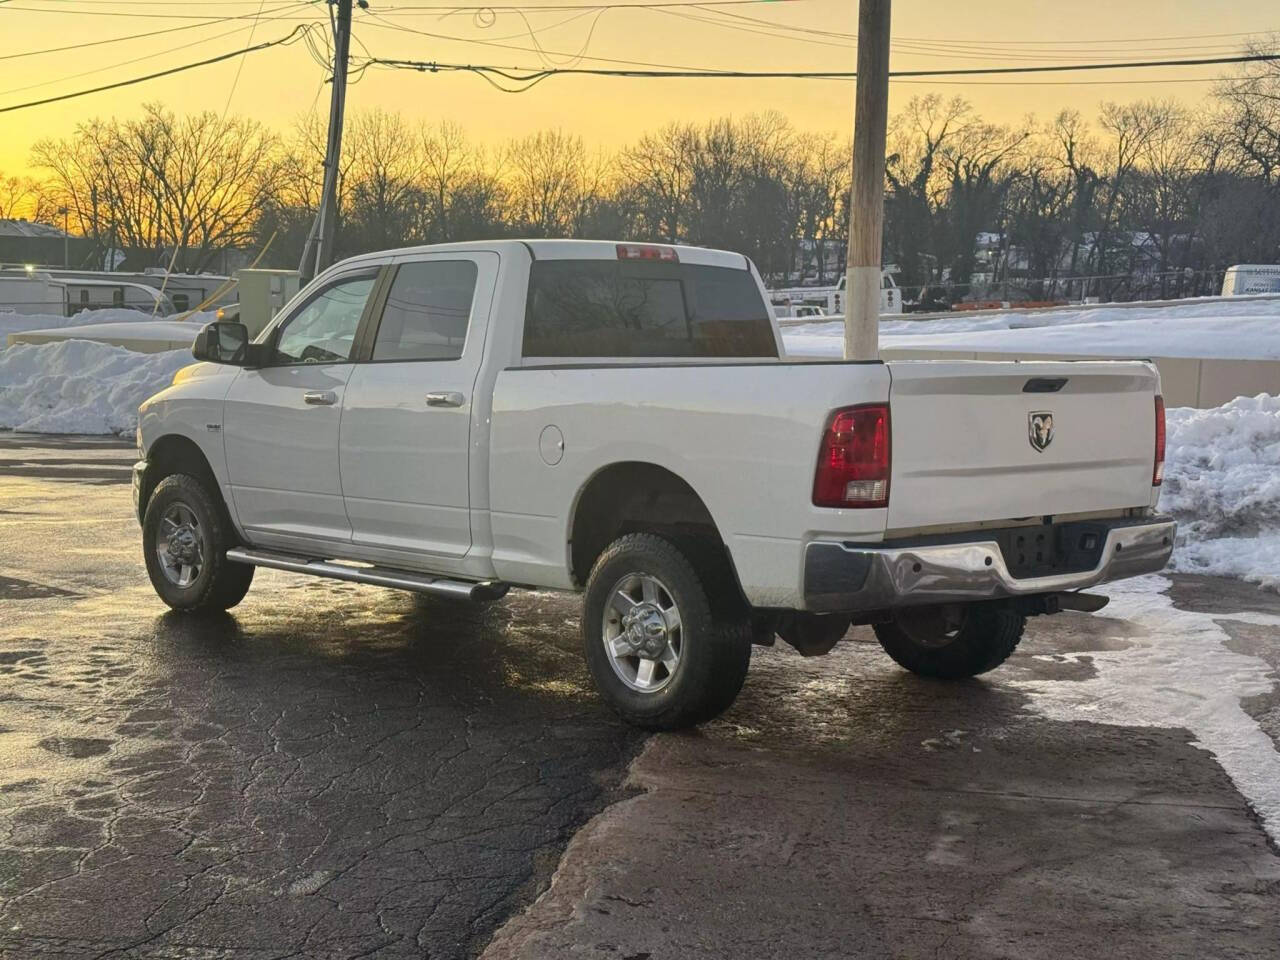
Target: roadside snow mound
{"points": [[80, 387], [1222, 482], [21, 322], [1243, 329]]}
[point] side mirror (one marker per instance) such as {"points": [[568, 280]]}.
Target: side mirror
{"points": [[223, 341]]}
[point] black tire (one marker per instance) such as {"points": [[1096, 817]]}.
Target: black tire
{"points": [[980, 638], [714, 651], [217, 583]]}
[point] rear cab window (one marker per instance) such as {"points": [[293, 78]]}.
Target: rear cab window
{"points": [[608, 308]]}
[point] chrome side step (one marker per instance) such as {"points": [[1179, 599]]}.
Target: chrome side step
{"points": [[378, 576]]}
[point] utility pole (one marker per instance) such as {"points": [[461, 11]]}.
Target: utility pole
{"points": [[318, 249], [66, 237], [866, 212], [97, 243]]}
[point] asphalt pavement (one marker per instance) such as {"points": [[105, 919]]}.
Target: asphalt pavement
{"points": [[342, 771]]}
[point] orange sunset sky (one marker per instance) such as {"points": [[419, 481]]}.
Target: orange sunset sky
{"points": [[278, 85]]}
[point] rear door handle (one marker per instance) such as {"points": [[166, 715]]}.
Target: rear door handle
{"points": [[320, 398], [444, 398]]}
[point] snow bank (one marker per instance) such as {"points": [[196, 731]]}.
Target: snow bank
{"points": [[1222, 482], [170, 334], [22, 322], [1244, 330], [80, 387]]}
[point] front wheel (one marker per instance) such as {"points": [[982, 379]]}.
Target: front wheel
{"points": [[656, 651], [952, 641], [185, 539]]}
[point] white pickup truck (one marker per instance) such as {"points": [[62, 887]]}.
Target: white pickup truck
{"points": [[623, 420]]}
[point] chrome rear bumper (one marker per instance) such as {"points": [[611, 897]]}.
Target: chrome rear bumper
{"points": [[844, 577]]}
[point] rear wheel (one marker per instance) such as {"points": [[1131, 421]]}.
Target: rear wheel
{"points": [[185, 537], [656, 651], [952, 641]]}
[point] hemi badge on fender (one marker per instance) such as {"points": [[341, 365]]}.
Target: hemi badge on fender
{"points": [[213, 427]]}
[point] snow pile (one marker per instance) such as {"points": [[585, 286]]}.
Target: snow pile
{"points": [[1247, 330], [1222, 482], [23, 322], [80, 387], [171, 334]]}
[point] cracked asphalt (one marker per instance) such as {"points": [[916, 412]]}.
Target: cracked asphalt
{"points": [[340, 771]]}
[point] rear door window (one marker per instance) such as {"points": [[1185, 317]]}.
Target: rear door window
{"points": [[427, 312], [606, 308]]}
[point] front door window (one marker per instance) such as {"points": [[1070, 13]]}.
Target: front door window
{"points": [[324, 331]]}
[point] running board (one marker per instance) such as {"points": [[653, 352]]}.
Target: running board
{"points": [[377, 576]]}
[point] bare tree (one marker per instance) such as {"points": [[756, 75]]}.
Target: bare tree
{"points": [[551, 180], [382, 183], [823, 189], [461, 194], [19, 197], [1248, 123], [981, 165], [1130, 128], [916, 189], [658, 170], [193, 185]]}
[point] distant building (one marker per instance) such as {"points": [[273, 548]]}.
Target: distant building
{"points": [[40, 244]]}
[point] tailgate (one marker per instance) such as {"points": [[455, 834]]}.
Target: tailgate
{"points": [[971, 440]]}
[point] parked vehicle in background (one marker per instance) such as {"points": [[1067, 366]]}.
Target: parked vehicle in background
{"points": [[832, 299], [798, 311], [84, 294], [38, 292], [622, 420], [1251, 278], [890, 295], [29, 292]]}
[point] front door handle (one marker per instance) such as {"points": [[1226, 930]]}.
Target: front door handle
{"points": [[445, 398], [320, 398]]}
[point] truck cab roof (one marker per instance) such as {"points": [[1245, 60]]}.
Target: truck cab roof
{"points": [[561, 250]]}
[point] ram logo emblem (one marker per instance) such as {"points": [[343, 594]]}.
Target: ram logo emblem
{"points": [[1040, 429]]}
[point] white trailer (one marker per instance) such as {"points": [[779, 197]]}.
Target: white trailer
{"points": [[1251, 278], [31, 293], [85, 294]]}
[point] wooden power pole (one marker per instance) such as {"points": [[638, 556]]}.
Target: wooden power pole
{"points": [[318, 250], [866, 211]]}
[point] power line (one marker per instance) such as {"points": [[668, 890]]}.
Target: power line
{"points": [[235, 81], [372, 20], [378, 20], [450, 7], [150, 16], [140, 36], [288, 38], [124, 63], [988, 43], [915, 46], [528, 77]]}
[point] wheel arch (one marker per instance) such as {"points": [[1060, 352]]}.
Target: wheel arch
{"points": [[637, 496], [176, 453]]}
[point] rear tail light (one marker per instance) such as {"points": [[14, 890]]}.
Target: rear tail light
{"points": [[853, 463], [1157, 474], [647, 251]]}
